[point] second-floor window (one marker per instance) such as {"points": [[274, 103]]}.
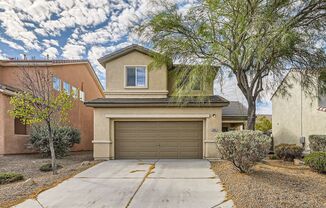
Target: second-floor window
{"points": [[82, 96], [66, 87], [74, 92], [56, 83], [136, 76], [322, 89], [196, 85]]}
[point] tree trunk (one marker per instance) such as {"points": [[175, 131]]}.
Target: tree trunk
{"points": [[53, 159], [251, 120]]}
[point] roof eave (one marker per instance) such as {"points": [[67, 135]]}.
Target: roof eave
{"points": [[121, 52], [117, 105]]}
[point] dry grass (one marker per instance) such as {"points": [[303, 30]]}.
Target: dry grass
{"points": [[28, 165], [273, 184]]}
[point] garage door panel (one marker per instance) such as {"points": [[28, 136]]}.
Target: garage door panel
{"points": [[161, 139], [138, 155]]}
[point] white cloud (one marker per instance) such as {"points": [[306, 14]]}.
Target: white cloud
{"points": [[15, 27], [71, 51], [50, 42], [51, 52], [12, 44], [264, 108], [2, 55]]}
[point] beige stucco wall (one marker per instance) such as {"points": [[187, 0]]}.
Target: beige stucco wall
{"points": [[115, 78], [288, 126], [104, 125]]}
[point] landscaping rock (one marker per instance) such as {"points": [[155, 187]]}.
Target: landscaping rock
{"points": [[85, 163], [281, 186], [23, 164], [298, 162], [29, 182]]}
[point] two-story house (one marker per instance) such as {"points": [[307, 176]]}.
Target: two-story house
{"points": [[139, 119], [75, 77], [298, 114]]}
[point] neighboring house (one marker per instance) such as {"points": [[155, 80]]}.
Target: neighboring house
{"points": [[138, 118], [72, 76], [234, 117], [297, 114]]}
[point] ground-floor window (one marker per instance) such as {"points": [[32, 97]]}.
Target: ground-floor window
{"points": [[20, 128]]}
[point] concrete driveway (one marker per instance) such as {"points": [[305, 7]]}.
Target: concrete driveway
{"points": [[138, 184]]}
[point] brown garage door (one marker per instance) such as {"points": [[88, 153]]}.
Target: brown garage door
{"points": [[158, 139]]}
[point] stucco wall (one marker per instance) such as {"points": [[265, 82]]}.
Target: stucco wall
{"points": [[80, 117], [12, 143], [115, 78], [104, 126], [2, 121], [296, 115]]}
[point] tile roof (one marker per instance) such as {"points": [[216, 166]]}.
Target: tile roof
{"points": [[235, 108], [170, 101], [322, 109]]}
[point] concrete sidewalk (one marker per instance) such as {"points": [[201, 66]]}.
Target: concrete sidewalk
{"points": [[138, 184]]}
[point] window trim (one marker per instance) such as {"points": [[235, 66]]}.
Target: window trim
{"points": [[137, 87], [82, 96], [200, 84], [75, 96], [60, 83], [20, 123], [321, 95], [63, 87]]}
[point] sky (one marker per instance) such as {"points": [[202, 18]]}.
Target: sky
{"points": [[81, 29]]}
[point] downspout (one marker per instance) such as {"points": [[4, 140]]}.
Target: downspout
{"points": [[302, 138]]}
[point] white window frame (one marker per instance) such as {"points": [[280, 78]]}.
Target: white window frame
{"points": [[81, 95], [64, 89], [75, 93], [321, 96], [125, 76], [321, 99], [57, 78]]}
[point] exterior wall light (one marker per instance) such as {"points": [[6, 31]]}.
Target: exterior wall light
{"points": [[214, 115]]}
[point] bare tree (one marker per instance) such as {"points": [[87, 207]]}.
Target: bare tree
{"points": [[37, 102]]}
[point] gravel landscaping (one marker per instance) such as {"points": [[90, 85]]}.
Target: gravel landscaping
{"points": [[36, 181], [273, 184]]}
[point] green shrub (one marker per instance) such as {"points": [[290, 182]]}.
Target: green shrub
{"points": [[288, 152], [316, 161], [317, 143], [10, 177], [243, 148], [273, 157], [48, 167], [64, 139]]}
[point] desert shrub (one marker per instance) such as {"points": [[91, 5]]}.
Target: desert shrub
{"points": [[48, 167], [263, 124], [316, 161], [63, 139], [288, 152], [10, 177], [273, 157], [243, 148], [317, 143]]}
